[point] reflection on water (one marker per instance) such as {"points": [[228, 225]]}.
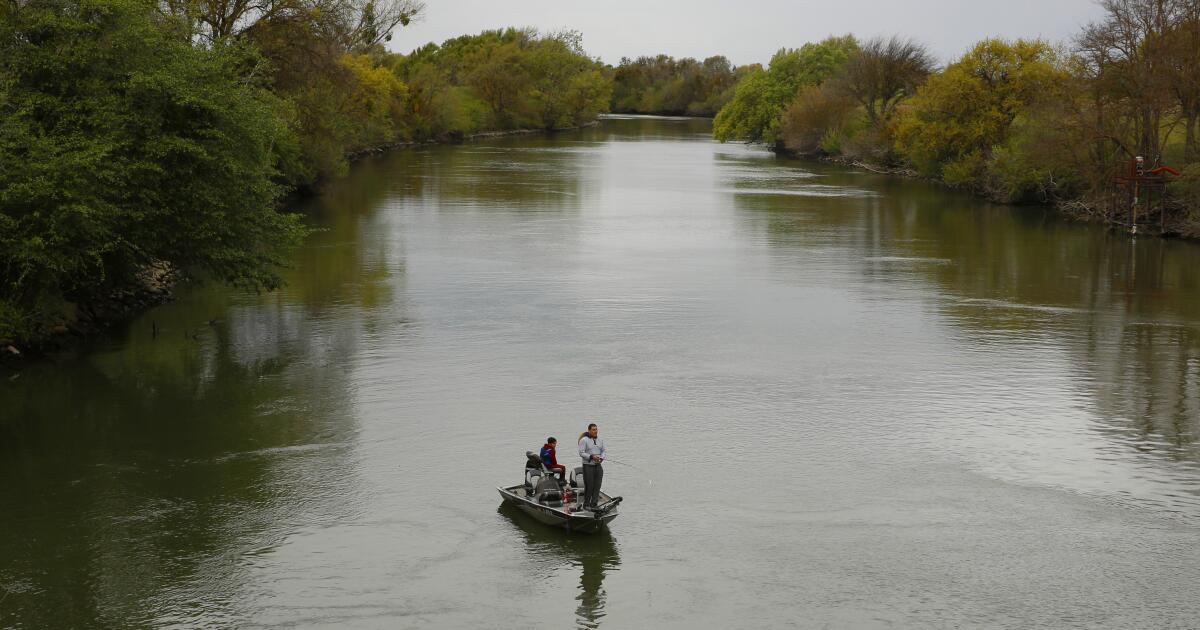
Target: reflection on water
{"points": [[141, 478], [117, 514], [1122, 315], [558, 551]]}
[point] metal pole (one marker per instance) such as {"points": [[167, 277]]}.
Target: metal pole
{"points": [[1133, 209]]}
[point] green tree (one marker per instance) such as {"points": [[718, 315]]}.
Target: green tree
{"points": [[755, 112], [1187, 194], [502, 79], [567, 88], [499, 78], [665, 85], [124, 145]]}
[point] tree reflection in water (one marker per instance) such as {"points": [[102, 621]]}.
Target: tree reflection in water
{"points": [[550, 548], [1113, 318]]}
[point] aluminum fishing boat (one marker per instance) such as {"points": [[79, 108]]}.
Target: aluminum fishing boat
{"points": [[558, 502]]}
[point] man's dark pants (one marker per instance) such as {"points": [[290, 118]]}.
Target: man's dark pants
{"points": [[593, 476]]}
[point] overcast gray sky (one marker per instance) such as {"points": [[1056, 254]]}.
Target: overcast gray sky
{"points": [[749, 31]]}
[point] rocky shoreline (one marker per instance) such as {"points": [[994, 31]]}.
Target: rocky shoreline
{"points": [[152, 286]]}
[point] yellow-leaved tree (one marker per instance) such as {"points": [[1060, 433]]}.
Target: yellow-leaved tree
{"points": [[375, 103], [962, 116]]}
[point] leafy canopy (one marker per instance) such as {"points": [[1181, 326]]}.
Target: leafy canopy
{"points": [[122, 145], [951, 127], [503, 79], [756, 110]]}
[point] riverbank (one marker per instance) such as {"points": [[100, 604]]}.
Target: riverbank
{"points": [[1080, 209], [666, 115], [153, 286], [460, 139]]}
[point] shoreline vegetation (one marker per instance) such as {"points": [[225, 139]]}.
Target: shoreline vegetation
{"points": [[461, 139], [154, 284], [143, 135], [666, 86], [1105, 127]]}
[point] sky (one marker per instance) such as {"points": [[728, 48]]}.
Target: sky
{"points": [[750, 31]]}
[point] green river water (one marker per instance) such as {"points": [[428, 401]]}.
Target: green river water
{"points": [[863, 402]]}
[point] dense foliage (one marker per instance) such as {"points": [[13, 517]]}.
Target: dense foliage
{"points": [[498, 80], [665, 85], [961, 122], [346, 98], [121, 145], [143, 133], [755, 111], [1014, 120]]}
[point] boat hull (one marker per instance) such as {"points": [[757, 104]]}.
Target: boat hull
{"points": [[575, 521]]}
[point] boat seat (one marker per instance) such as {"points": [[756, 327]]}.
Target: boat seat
{"points": [[550, 498], [577, 477], [532, 477]]}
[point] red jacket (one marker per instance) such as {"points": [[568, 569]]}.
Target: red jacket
{"points": [[548, 456]]}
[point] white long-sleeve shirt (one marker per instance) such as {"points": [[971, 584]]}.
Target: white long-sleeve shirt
{"points": [[589, 447]]}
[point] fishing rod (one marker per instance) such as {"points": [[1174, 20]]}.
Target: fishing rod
{"points": [[649, 481]]}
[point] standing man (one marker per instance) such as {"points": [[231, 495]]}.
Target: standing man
{"points": [[591, 449]]}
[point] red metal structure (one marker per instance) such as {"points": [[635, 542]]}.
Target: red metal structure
{"points": [[1134, 178]]}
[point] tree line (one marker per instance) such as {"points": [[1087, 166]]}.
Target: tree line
{"points": [[138, 133], [143, 133], [1018, 121], [680, 87]]}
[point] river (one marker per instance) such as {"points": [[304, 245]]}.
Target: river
{"points": [[856, 401]]}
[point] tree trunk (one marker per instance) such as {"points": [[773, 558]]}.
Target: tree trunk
{"points": [[1191, 152], [1148, 145]]}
